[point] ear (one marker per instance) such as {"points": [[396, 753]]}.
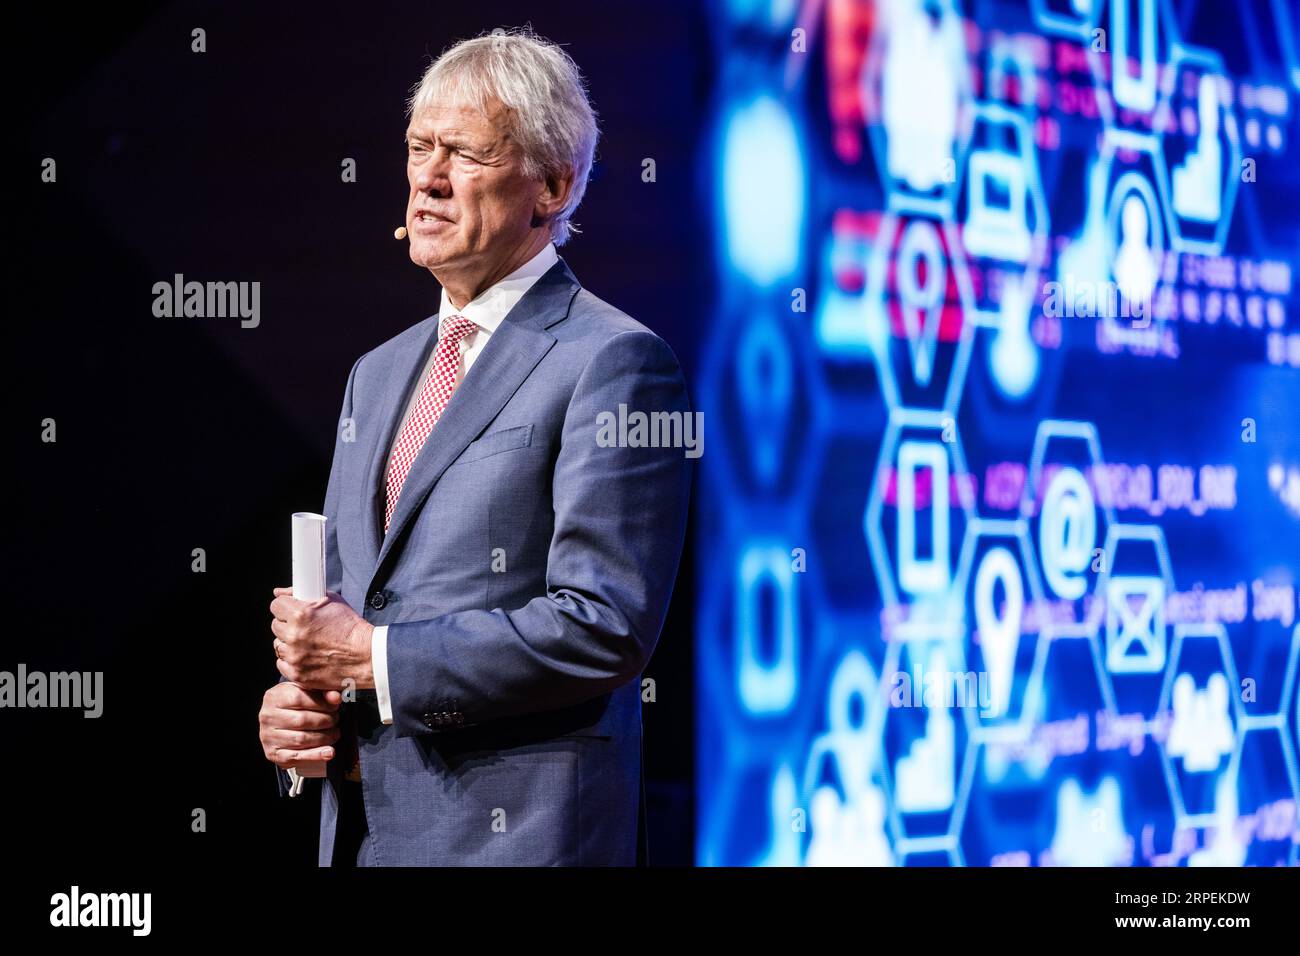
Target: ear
{"points": [[554, 194]]}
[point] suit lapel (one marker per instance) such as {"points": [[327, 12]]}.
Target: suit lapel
{"points": [[402, 378], [509, 357]]}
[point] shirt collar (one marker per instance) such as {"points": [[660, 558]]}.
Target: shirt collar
{"points": [[489, 309]]}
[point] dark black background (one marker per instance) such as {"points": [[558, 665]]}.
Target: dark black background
{"points": [[184, 433]]}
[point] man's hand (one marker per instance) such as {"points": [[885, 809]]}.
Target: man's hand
{"points": [[298, 726], [321, 644]]}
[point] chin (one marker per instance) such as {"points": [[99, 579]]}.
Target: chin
{"points": [[427, 254]]}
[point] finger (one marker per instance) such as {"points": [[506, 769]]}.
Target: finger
{"points": [[279, 591], [279, 629], [322, 699], [281, 607], [312, 720], [291, 696], [282, 739], [295, 758], [301, 698], [314, 715]]}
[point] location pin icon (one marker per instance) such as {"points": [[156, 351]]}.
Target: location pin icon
{"points": [[999, 633], [921, 278], [765, 379]]}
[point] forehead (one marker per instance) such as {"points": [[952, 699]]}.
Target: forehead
{"points": [[460, 119]]}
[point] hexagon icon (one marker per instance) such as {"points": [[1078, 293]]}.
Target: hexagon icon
{"points": [[922, 480], [918, 302], [761, 626], [1139, 254], [1126, 57], [754, 375], [1005, 225], [1135, 582], [1202, 153], [1003, 208], [766, 686], [916, 92], [925, 742], [1199, 728], [1120, 268], [1067, 504], [765, 380], [844, 785], [997, 579]]}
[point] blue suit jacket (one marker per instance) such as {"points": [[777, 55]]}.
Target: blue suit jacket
{"points": [[525, 578]]}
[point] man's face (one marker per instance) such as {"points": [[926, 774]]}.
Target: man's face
{"points": [[470, 203]]}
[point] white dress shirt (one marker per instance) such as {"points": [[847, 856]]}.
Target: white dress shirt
{"points": [[487, 311]]}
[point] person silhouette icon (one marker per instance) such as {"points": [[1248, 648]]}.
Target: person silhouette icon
{"points": [[1135, 264], [920, 93], [1199, 180]]}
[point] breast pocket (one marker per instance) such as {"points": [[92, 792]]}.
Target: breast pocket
{"points": [[494, 443]]}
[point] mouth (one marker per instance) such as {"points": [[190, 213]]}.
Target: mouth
{"points": [[429, 217]]}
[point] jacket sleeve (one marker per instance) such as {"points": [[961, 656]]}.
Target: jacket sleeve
{"points": [[344, 432], [619, 523], [333, 566]]}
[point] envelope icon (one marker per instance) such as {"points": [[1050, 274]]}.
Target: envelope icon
{"points": [[1135, 625]]}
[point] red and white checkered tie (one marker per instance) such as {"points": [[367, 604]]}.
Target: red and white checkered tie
{"points": [[428, 407]]}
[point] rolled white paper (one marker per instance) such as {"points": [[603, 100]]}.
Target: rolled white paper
{"points": [[308, 585], [308, 556]]}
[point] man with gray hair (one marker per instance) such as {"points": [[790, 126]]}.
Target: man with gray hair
{"points": [[497, 578]]}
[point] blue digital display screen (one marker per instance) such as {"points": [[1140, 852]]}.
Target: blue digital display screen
{"points": [[1000, 532]]}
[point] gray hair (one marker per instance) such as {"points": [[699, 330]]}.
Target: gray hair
{"points": [[550, 117]]}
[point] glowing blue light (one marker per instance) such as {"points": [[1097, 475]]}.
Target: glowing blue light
{"points": [[1062, 602], [762, 191]]}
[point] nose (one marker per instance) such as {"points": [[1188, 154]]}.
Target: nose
{"points": [[431, 176]]}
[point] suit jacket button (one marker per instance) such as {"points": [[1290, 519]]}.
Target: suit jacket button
{"points": [[378, 600]]}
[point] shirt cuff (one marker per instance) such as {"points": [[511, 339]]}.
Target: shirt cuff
{"points": [[379, 663]]}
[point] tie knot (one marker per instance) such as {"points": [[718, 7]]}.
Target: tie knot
{"points": [[455, 328]]}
